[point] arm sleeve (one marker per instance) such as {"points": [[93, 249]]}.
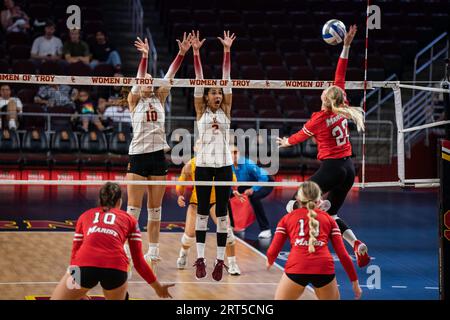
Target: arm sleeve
{"points": [[341, 69], [339, 248], [135, 242], [180, 189], [142, 70], [278, 241], [176, 63], [77, 239], [305, 133], [198, 91], [226, 69]]}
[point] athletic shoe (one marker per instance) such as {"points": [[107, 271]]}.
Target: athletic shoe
{"points": [[361, 252], [290, 206], [200, 268], [266, 234], [233, 269], [152, 261], [325, 205], [182, 261], [218, 270]]}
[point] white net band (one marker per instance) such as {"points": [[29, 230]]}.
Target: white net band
{"points": [[286, 184]]}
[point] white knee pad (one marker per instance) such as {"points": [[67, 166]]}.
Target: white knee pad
{"points": [[187, 241], [231, 239], [335, 216], [154, 214], [201, 222], [222, 224], [134, 211]]}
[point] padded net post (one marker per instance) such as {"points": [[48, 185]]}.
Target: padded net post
{"points": [[400, 134]]}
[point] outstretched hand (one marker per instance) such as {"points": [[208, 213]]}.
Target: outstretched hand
{"points": [[283, 142], [195, 40], [350, 35], [142, 46], [185, 44], [227, 40]]}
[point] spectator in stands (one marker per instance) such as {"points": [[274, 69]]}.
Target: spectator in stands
{"points": [[47, 47], [88, 112], [76, 49], [103, 51], [13, 19], [112, 104], [9, 104], [56, 95]]}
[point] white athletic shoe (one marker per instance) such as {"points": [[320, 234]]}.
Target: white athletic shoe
{"points": [[325, 205], [152, 261], [233, 269], [290, 206], [182, 261], [266, 234]]}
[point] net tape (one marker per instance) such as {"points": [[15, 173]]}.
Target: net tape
{"points": [[191, 83]]}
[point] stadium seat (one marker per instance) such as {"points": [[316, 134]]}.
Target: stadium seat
{"points": [[103, 70], [10, 148], [19, 52], [79, 69], [93, 147], [61, 123], [27, 95], [64, 149], [51, 67], [24, 67], [29, 122], [35, 148], [271, 59], [252, 73], [277, 73]]}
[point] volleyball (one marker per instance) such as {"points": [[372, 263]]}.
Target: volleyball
{"points": [[333, 32]]}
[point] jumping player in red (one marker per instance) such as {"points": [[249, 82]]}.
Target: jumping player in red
{"points": [[309, 229], [98, 254], [329, 128]]}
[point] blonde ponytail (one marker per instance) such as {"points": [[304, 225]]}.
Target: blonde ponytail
{"points": [[313, 226], [309, 194], [335, 95]]}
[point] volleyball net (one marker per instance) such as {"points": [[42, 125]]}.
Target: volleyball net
{"points": [[396, 149]]}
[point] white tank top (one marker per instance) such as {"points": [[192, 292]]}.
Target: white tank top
{"points": [[214, 135], [147, 120]]}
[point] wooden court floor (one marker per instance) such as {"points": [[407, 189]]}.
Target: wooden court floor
{"points": [[31, 264]]}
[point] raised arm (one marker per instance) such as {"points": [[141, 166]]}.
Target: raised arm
{"points": [[134, 95], [341, 69], [163, 92], [199, 103], [227, 42]]}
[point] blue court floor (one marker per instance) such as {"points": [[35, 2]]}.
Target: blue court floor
{"points": [[399, 227]]}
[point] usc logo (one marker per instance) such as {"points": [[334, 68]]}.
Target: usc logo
{"points": [[447, 225]]}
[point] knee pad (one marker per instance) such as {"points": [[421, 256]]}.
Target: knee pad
{"points": [[154, 214], [222, 224], [134, 211], [187, 241], [231, 239], [201, 222]]}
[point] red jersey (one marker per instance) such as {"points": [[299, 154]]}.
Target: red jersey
{"points": [[329, 129], [99, 239], [295, 226]]}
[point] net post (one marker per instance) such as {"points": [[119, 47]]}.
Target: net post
{"points": [[444, 221], [400, 134]]}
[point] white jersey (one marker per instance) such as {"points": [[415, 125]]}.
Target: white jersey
{"points": [[147, 120], [214, 134]]}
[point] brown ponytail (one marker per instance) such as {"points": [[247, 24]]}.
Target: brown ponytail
{"points": [[109, 195]]}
